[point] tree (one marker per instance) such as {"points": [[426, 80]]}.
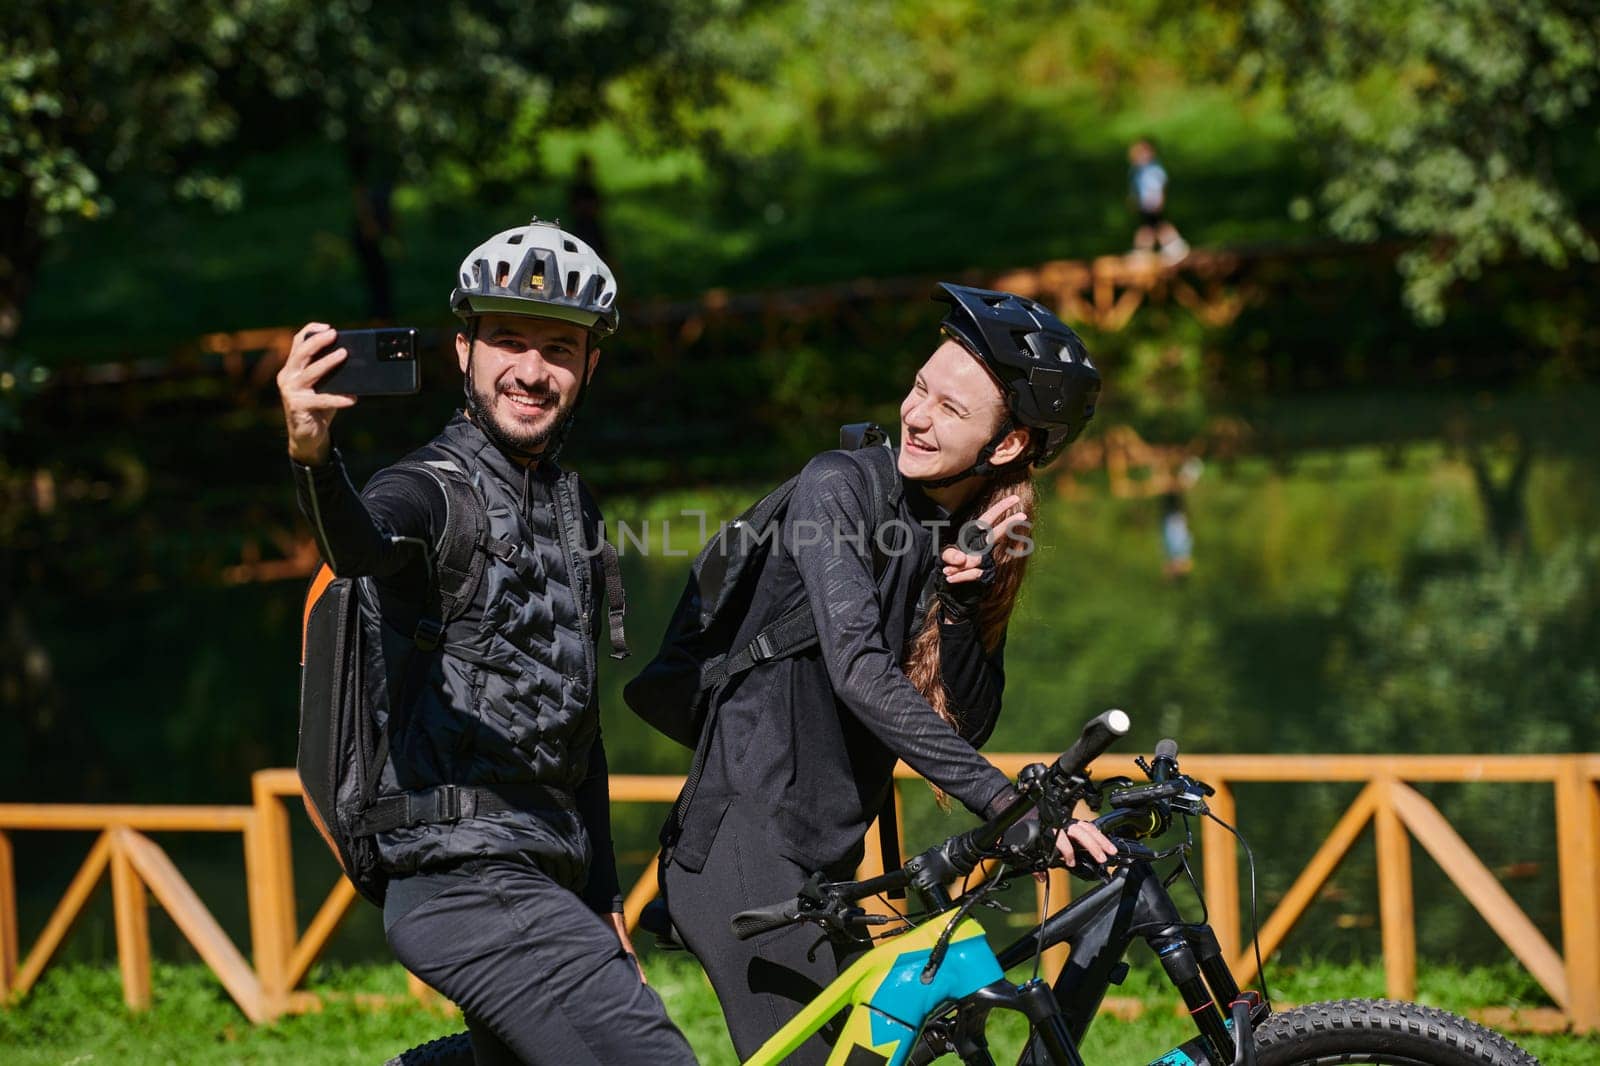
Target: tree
{"points": [[91, 91], [1440, 121], [405, 92]]}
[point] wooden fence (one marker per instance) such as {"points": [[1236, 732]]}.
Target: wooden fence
{"points": [[283, 951]]}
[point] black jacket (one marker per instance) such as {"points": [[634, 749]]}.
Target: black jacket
{"points": [[808, 743], [510, 697]]}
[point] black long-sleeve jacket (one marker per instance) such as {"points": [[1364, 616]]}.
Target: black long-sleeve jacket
{"points": [[510, 698], [810, 741]]}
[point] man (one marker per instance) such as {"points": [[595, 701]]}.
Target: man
{"points": [[504, 899]]}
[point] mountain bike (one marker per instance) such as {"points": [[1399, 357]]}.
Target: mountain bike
{"points": [[927, 985]]}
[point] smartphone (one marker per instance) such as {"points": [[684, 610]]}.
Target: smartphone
{"points": [[382, 362]]}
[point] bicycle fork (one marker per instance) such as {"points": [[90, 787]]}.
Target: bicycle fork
{"points": [[1034, 1000], [1194, 964]]}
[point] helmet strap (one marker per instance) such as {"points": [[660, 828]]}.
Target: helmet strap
{"points": [[981, 467], [552, 448]]}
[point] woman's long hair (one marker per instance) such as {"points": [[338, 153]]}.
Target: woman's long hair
{"points": [[994, 610]]}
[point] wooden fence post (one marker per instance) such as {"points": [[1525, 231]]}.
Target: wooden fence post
{"points": [[872, 858], [9, 946], [1396, 901], [642, 892], [132, 910], [1578, 842], [1220, 869], [269, 880], [1059, 894]]}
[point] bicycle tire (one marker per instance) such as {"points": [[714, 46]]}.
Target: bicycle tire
{"points": [[1381, 1031], [452, 1050]]}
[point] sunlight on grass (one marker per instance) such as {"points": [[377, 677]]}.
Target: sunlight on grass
{"points": [[76, 1016]]}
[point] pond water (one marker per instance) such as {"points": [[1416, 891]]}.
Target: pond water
{"points": [[1360, 601]]}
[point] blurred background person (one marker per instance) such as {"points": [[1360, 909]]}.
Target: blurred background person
{"points": [[1177, 541], [1147, 186]]}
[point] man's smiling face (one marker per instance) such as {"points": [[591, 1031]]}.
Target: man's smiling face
{"points": [[524, 375]]}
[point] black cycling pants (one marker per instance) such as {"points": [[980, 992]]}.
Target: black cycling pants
{"points": [[764, 981], [538, 975]]}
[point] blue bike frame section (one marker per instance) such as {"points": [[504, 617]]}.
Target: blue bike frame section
{"points": [[903, 1000]]}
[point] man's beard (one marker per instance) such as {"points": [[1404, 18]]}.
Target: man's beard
{"points": [[515, 439]]}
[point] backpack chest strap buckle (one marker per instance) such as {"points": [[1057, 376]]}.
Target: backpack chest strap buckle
{"points": [[447, 805]]}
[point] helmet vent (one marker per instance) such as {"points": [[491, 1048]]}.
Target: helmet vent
{"points": [[572, 283], [502, 274], [605, 299], [466, 280], [515, 238], [569, 246]]}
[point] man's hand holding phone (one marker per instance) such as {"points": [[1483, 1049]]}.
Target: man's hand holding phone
{"points": [[307, 413]]}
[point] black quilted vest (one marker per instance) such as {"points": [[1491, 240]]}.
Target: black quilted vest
{"points": [[509, 697]]}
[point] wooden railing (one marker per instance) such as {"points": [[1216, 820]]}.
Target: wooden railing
{"points": [[283, 952]]}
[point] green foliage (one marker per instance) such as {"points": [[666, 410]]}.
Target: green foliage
{"points": [[949, 134], [91, 91], [1439, 122], [468, 83], [88, 90], [156, 89], [1160, 371], [1474, 651]]}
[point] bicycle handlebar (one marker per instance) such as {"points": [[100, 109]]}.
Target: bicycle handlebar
{"points": [[747, 924], [1097, 736], [960, 854]]}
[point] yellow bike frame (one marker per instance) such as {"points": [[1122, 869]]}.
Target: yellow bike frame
{"points": [[888, 999]]}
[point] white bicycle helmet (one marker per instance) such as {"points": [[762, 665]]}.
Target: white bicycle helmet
{"points": [[538, 269]]}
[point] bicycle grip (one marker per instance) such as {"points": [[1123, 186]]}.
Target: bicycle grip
{"points": [[747, 924], [1098, 735]]}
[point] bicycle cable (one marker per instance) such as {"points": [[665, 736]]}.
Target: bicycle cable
{"points": [[1044, 916], [883, 898], [1255, 920], [1194, 882]]}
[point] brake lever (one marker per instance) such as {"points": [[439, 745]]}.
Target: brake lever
{"points": [[1132, 849], [1128, 852]]}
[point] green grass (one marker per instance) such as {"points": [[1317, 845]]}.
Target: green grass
{"points": [[75, 1016]]}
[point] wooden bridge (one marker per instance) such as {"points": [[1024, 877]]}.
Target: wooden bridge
{"points": [[1105, 292], [267, 984]]}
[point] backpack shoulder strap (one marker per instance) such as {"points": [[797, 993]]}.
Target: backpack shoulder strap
{"points": [[588, 512], [883, 476], [796, 629], [456, 565]]}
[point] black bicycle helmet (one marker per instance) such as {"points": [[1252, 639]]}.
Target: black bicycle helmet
{"points": [[1041, 364]]}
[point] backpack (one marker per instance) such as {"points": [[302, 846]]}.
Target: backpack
{"points": [[341, 752], [673, 692]]}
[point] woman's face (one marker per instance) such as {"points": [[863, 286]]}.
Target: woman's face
{"points": [[952, 411]]}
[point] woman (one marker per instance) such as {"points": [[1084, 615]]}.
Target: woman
{"points": [[803, 748]]}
